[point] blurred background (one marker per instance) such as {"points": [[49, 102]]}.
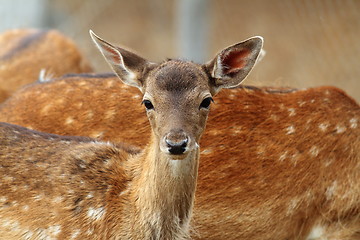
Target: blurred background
{"points": [[308, 42]]}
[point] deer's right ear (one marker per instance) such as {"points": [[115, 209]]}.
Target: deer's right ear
{"points": [[127, 65]]}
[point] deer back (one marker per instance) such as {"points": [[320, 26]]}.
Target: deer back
{"points": [[25, 52]]}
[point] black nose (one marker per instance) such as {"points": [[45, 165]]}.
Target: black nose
{"points": [[177, 147]]}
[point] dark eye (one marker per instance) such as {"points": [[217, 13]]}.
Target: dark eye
{"points": [[206, 102], [148, 104]]}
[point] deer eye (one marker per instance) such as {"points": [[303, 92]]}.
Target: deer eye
{"points": [[148, 104], [206, 103]]}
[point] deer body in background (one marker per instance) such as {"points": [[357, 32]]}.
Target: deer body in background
{"points": [[78, 188], [288, 155], [275, 163], [25, 52]]}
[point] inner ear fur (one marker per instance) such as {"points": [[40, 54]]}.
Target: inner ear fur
{"points": [[231, 66]]}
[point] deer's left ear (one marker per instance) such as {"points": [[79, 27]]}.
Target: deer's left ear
{"points": [[231, 66]]}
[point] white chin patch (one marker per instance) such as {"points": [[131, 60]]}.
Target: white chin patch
{"points": [[181, 167]]}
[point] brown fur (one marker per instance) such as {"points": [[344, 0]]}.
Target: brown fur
{"points": [[54, 187], [275, 163], [25, 52]]}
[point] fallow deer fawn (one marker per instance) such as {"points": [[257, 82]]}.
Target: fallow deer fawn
{"points": [[25, 52], [275, 163], [68, 188]]}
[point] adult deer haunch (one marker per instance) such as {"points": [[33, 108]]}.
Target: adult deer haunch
{"points": [[76, 188]]}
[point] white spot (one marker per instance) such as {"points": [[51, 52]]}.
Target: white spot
{"points": [[314, 151], [291, 112], [97, 134], [330, 191], [110, 83], [82, 83], [60, 101], [5, 222], [28, 235], [3, 199], [293, 204], [125, 86], [340, 129], [38, 197], [89, 231], [261, 150], [58, 199], [136, 96], [96, 214], [213, 132], [312, 100], [15, 204], [329, 161], [353, 123], [301, 103], [323, 126], [42, 165], [236, 130], [90, 195], [15, 226], [69, 120], [315, 233], [74, 234], [90, 114], [79, 104], [327, 92], [25, 208], [8, 178], [110, 114], [114, 95], [123, 192], [222, 146], [54, 230], [82, 164], [274, 117], [294, 158], [232, 96], [69, 90], [290, 130], [207, 151], [45, 110], [283, 156]]}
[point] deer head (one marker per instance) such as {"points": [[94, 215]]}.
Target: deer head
{"points": [[177, 94]]}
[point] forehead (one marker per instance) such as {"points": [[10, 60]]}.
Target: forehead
{"points": [[178, 76]]}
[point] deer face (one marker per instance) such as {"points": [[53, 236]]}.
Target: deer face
{"points": [[177, 94]]}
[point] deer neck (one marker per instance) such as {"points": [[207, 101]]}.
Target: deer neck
{"points": [[163, 192]]}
